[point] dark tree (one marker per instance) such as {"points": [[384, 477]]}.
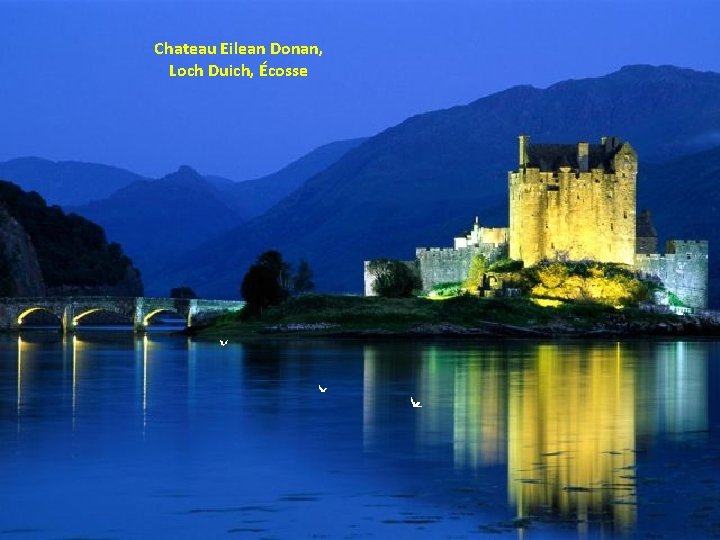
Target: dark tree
{"points": [[268, 281], [303, 282], [394, 279], [282, 270], [182, 292]]}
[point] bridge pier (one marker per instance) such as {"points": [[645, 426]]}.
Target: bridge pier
{"points": [[68, 319], [139, 316]]}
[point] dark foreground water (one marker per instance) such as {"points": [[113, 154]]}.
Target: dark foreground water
{"points": [[162, 437]]}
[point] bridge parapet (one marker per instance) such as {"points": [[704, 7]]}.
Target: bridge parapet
{"points": [[139, 310]]}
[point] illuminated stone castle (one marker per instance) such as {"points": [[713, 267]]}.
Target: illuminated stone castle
{"points": [[573, 202]]}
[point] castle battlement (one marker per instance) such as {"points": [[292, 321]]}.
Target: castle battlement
{"points": [[692, 246], [683, 270], [424, 250]]}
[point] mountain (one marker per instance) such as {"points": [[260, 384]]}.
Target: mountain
{"points": [[66, 182], [156, 219], [254, 197], [424, 180], [73, 254], [20, 272]]}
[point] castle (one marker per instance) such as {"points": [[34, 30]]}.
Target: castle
{"points": [[573, 202]]}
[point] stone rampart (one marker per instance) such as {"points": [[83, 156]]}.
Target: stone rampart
{"points": [[442, 265], [683, 270]]}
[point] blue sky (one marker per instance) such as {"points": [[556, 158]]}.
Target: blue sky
{"points": [[80, 80]]}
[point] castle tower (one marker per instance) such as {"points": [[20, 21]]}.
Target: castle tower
{"points": [[647, 237], [573, 202]]}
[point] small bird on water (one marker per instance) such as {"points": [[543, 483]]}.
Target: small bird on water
{"points": [[415, 403], [321, 388], [223, 343]]}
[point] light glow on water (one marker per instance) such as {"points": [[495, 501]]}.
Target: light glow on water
{"points": [[179, 438]]}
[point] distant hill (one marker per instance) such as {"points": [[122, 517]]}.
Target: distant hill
{"points": [[66, 182], [424, 180], [72, 252], [252, 198], [157, 219]]}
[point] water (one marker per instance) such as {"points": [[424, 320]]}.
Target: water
{"points": [[108, 436]]}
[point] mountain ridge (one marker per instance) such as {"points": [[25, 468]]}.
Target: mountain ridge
{"points": [[422, 181]]}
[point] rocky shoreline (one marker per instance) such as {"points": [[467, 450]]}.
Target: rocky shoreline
{"points": [[683, 327]]}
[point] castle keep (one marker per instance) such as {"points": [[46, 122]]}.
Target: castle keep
{"points": [[574, 202]]}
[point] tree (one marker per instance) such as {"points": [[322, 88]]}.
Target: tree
{"points": [[478, 267], [260, 288], [182, 292], [267, 281], [302, 281], [282, 270], [393, 279]]}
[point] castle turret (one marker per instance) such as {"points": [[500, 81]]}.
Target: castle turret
{"points": [[524, 144]]}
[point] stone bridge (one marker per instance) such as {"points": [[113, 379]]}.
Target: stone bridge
{"points": [[139, 310]]}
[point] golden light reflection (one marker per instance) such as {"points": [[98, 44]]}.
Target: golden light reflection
{"points": [[19, 378], [567, 418], [145, 344], [77, 345], [571, 435]]}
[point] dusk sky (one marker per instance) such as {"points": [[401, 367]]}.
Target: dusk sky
{"points": [[80, 80]]}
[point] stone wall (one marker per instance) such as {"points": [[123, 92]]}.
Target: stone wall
{"points": [[683, 270], [442, 265]]}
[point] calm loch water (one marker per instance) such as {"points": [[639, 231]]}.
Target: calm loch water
{"points": [[108, 436]]}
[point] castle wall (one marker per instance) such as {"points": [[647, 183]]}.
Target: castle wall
{"points": [[482, 235], [442, 265], [683, 270], [494, 235], [574, 215]]}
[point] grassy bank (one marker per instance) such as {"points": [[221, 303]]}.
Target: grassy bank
{"points": [[356, 314]]}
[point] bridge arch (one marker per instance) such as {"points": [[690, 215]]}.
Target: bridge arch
{"points": [[26, 312], [76, 319], [157, 311], [122, 317], [139, 310]]}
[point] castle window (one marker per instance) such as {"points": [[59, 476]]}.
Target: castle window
{"points": [[625, 214], [688, 256]]}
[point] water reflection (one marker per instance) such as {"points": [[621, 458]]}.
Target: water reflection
{"points": [[562, 417], [571, 435], [557, 427]]}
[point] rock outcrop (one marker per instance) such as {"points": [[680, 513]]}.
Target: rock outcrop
{"points": [[20, 273]]}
